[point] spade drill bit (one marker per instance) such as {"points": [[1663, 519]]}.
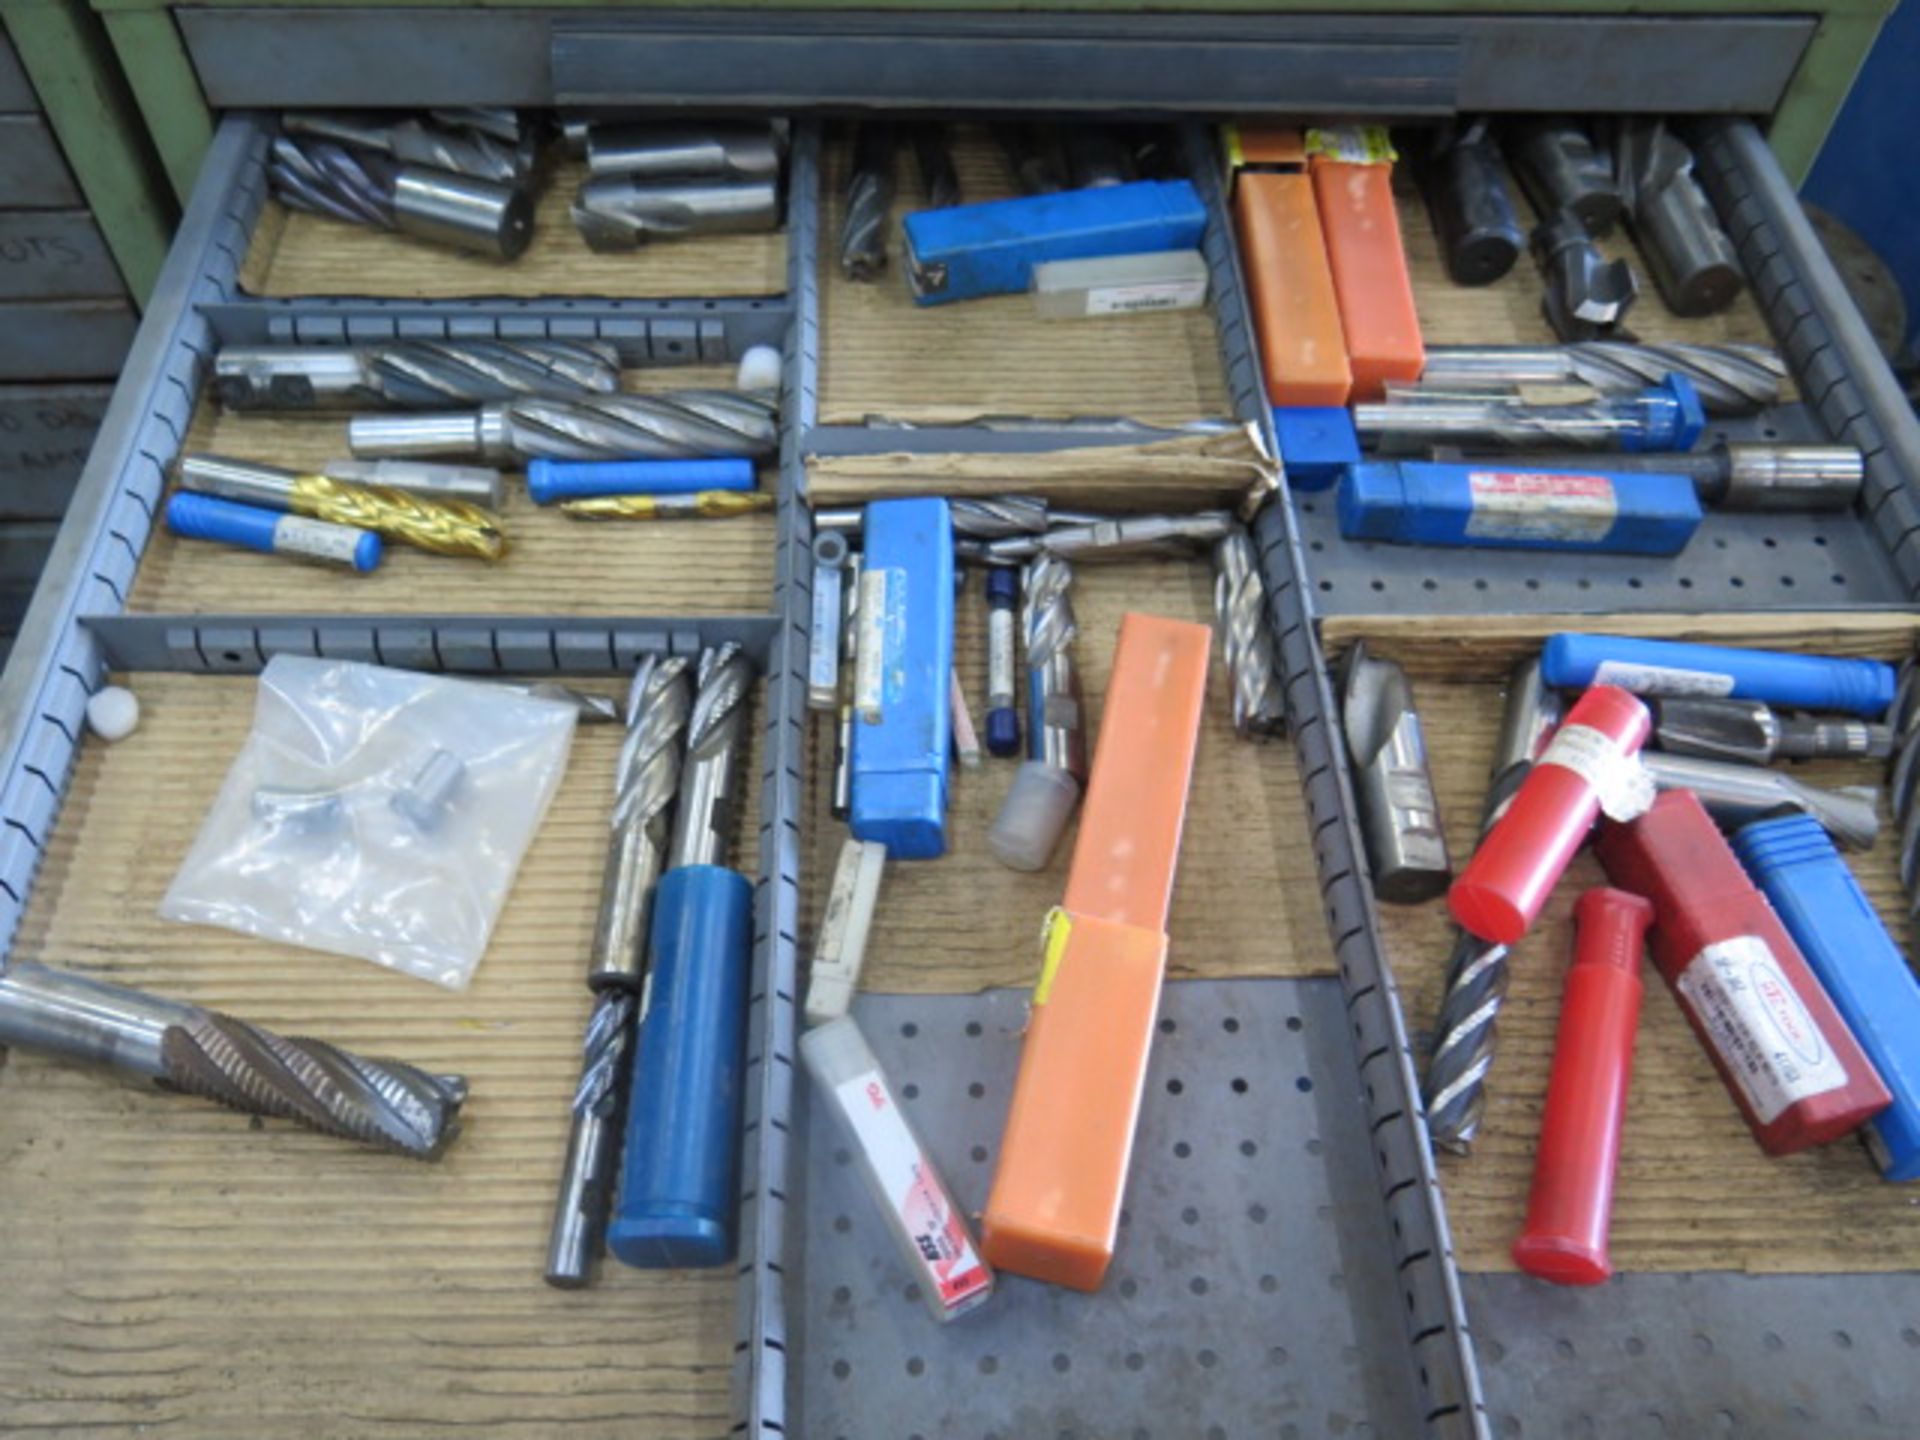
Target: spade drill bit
{"points": [[411, 374], [442, 527], [1732, 379], [203, 1052], [645, 779], [1454, 1090], [869, 203], [1754, 733], [677, 425], [461, 211], [1240, 616]]}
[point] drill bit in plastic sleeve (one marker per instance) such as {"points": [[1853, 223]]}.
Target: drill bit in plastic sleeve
{"points": [[378, 813]]}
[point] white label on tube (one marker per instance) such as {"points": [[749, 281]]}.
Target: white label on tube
{"points": [[1661, 679], [1757, 1025], [1133, 299], [1000, 657], [1621, 781], [938, 1234], [869, 673], [1525, 505], [319, 539]]}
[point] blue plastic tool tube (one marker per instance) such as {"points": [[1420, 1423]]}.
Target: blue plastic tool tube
{"points": [[551, 481], [1671, 667], [1492, 506]]}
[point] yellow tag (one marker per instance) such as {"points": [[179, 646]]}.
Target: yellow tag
{"points": [[1054, 940], [1354, 144], [1230, 137]]}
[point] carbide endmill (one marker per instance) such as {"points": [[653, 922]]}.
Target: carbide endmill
{"points": [[1732, 379], [203, 1052], [1454, 1089], [1754, 733], [645, 779], [364, 189], [593, 1143], [442, 527], [676, 425], [938, 179], [699, 505], [707, 817], [869, 203], [411, 374], [1246, 644]]}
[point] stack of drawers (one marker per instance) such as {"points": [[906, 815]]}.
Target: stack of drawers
{"points": [[65, 324]]}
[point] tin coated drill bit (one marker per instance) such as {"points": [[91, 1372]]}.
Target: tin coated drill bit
{"points": [[183, 1047], [1246, 644], [677, 425], [1454, 1090], [411, 374], [442, 527], [645, 780], [700, 505], [593, 1143], [869, 204]]}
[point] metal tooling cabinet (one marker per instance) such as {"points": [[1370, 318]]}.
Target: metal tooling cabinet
{"points": [[1286, 1268]]}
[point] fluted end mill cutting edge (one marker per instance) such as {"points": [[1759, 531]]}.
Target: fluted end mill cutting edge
{"points": [[659, 704], [988, 517], [328, 180], [378, 1102], [1049, 620], [474, 372], [1240, 613], [1732, 379], [1454, 1089], [608, 1037], [726, 675], [863, 229], [676, 425], [441, 527]]}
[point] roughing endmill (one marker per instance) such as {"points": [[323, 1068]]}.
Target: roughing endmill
{"points": [[182, 1047], [1454, 1089], [442, 527], [360, 188], [1246, 644], [675, 425], [411, 374]]}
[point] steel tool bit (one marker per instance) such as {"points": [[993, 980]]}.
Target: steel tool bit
{"points": [[1692, 260], [1246, 642], [410, 374], [699, 505], [1473, 216], [203, 1052], [711, 151], [1056, 728], [1454, 1089], [869, 203], [645, 779], [443, 527], [437, 205], [1731, 477], [938, 179], [1400, 818], [1120, 538], [1562, 169], [1735, 794], [676, 425], [470, 153], [1587, 295], [624, 212], [1732, 379], [1754, 733], [593, 1143], [709, 810]]}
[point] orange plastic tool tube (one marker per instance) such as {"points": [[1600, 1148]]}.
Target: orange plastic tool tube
{"points": [[1054, 1211], [1375, 293], [1290, 285]]}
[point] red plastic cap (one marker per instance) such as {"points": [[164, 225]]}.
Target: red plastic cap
{"points": [[1563, 1261], [1611, 926], [1487, 912]]}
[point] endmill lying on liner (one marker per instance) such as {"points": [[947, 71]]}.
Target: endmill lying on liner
{"points": [[1454, 1089], [678, 425], [645, 781], [411, 374], [460, 211], [1246, 643], [443, 527], [202, 1052], [1731, 379], [413, 142]]}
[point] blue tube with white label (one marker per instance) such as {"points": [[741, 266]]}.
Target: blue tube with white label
{"points": [[272, 532], [902, 716], [1794, 863], [1673, 667], [991, 248], [1497, 507], [551, 481]]}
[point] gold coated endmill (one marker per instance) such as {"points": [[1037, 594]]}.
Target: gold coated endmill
{"points": [[443, 527], [701, 505]]}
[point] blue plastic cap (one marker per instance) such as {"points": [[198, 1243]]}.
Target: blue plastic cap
{"points": [[1003, 732], [367, 552], [906, 811], [1674, 416], [1003, 586], [680, 1239], [1317, 443], [1372, 500]]}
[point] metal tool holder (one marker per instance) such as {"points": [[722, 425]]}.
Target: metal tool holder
{"points": [[1367, 1318]]}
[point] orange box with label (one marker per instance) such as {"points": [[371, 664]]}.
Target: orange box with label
{"points": [[1361, 224]]}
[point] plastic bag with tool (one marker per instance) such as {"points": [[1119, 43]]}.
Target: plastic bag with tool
{"points": [[378, 813]]}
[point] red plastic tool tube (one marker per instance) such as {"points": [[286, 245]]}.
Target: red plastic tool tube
{"points": [[1565, 1237], [1506, 884]]}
